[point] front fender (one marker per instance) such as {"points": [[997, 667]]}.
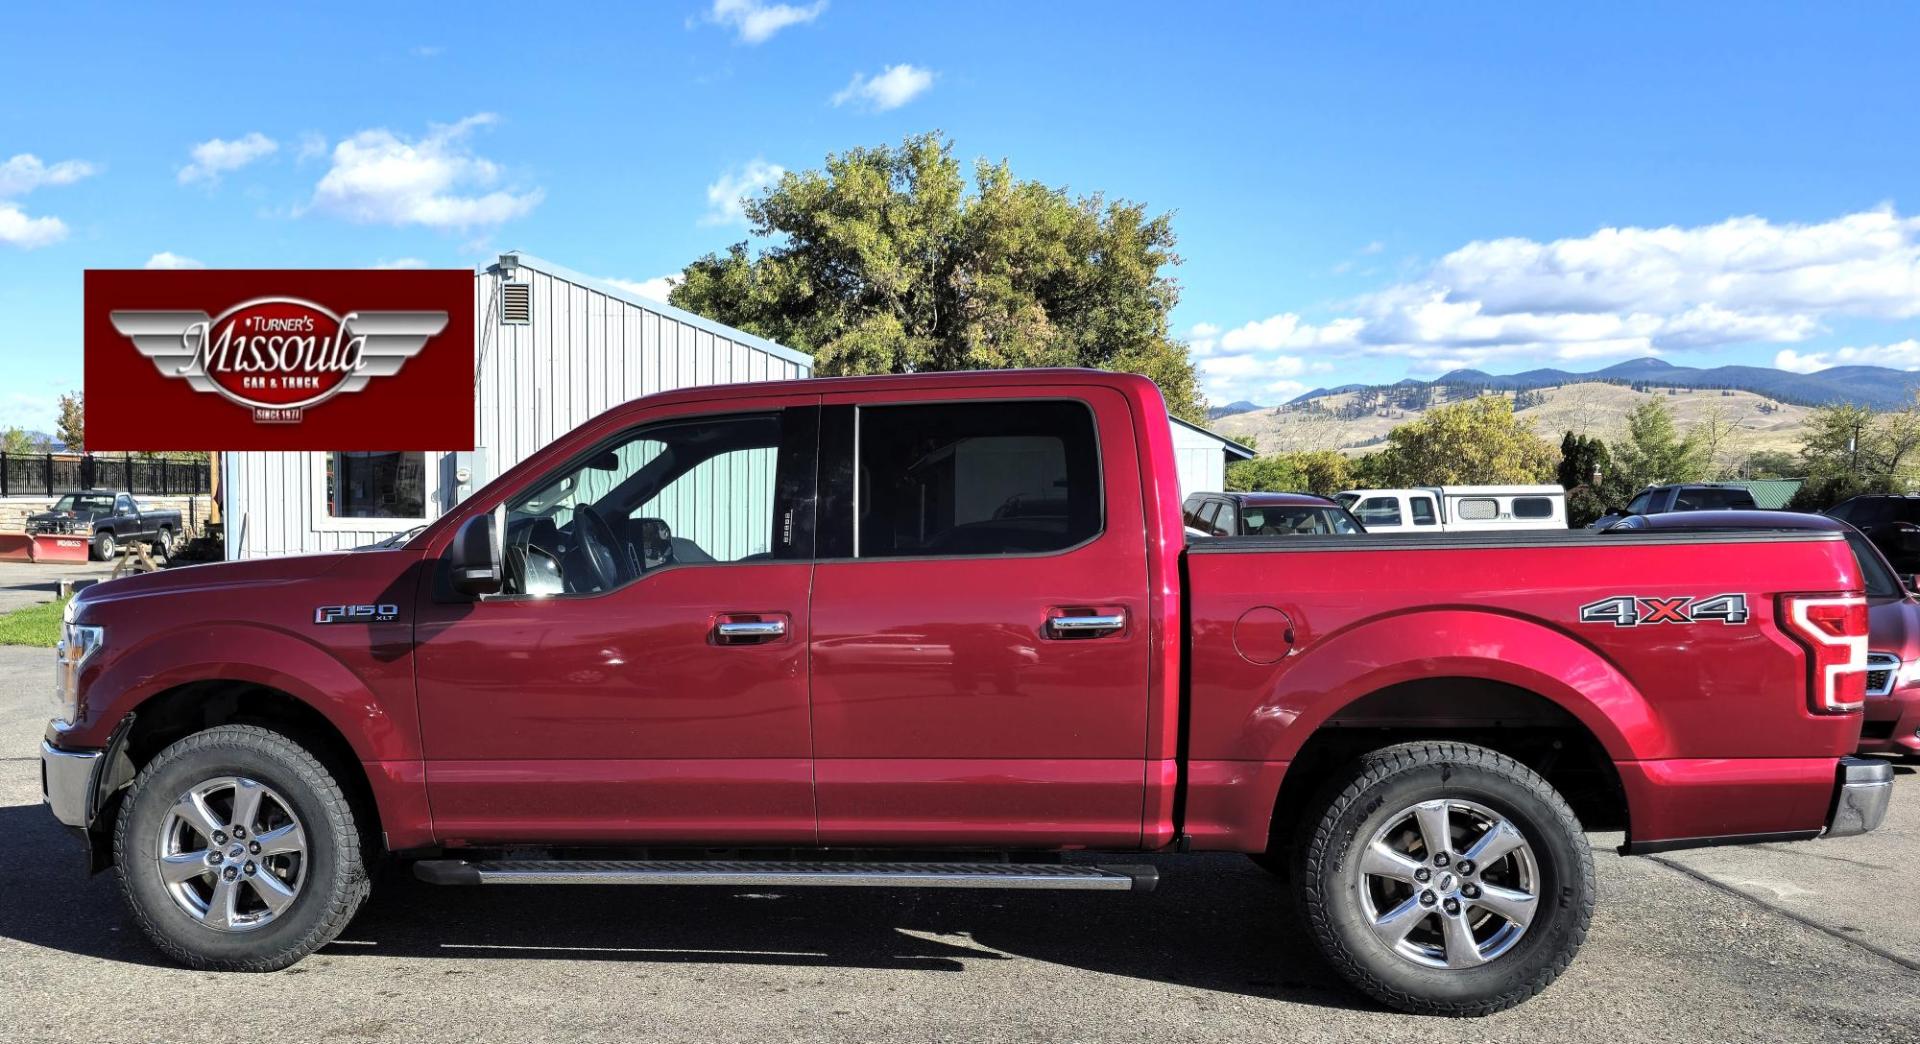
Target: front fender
{"points": [[270, 657], [1330, 674]]}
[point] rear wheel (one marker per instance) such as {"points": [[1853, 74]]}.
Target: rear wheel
{"points": [[237, 851], [1446, 879], [163, 543]]}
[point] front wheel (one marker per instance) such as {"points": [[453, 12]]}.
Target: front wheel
{"points": [[1446, 879], [238, 851], [104, 547]]}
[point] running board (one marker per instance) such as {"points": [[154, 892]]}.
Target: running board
{"points": [[735, 873]]}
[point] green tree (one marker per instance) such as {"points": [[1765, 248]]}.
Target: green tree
{"points": [[887, 261], [1653, 452], [1474, 441], [1766, 464], [1580, 457], [1313, 471], [17, 440], [71, 429]]}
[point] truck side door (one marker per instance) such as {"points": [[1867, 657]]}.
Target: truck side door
{"points": [[980, 648], [126, 519], [643, 677]]}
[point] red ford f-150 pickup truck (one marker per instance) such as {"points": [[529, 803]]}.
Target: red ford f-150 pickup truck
{"points": [[938, 631]]}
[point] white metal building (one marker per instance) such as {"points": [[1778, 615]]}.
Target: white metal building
{"points": [[1202, 456], [552, 348]]}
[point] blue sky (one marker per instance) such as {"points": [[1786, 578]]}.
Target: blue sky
{"points": [[1358, 195]]}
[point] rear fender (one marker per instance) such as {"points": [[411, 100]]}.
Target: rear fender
{"points": [[1332, 673]]}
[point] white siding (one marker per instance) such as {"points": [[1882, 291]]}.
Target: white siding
{"points": [[1201, 459], [588, 348]]}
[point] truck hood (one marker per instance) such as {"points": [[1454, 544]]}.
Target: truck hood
{"points": [[215, 575]]}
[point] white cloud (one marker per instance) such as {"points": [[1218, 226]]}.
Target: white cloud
{"points": [[724, 195], [214, 157], [426, 51], [1619, 293], [754, 21], [1901, 355], [655, 289], [22, 174], [25, 172], [312, 145], [167, 259], [400, 262], [19, 229], [379, 177], [891, 88]]}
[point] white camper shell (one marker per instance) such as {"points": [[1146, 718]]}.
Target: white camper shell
{"points": [[1457, 509]]}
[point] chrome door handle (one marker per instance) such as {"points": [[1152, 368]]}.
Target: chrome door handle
{"points": [[739, 630], [1085, 626]]}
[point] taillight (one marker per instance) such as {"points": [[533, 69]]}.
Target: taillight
{"points": [[1834, 632]]}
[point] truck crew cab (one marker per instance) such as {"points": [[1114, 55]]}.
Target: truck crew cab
{"points": [[884, 622]]}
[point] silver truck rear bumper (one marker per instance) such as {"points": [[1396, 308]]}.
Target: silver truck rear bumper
{"points": [[1860, 799], [66, 777]]}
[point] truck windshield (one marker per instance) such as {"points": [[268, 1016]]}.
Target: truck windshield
{"points": [[1288, 521], [83, 502]]}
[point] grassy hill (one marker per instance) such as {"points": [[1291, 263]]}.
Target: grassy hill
{"points": [[1357, 421]]}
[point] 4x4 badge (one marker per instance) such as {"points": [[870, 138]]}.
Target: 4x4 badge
{"points": [[1633, 610]]}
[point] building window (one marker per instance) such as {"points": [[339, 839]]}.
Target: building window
{"points": [[377, 485]]}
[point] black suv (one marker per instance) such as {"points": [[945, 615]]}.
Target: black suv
{"points": [[1690, 496], [1891, 521]]}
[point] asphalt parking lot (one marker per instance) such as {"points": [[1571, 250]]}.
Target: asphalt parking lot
{"points": [[1809, 942]]}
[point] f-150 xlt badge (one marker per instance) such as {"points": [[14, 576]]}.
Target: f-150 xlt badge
{"points": [[1633, 610], [279, 355], [328, 614]]}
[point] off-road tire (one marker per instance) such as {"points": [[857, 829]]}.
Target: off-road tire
{"points": [[103, 548], [1385, 781], [333, 885]]}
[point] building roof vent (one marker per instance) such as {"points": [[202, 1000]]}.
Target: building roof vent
{"points": [[516, 303]]}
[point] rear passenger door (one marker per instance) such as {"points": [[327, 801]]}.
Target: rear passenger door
{"points": [[979, 648]]}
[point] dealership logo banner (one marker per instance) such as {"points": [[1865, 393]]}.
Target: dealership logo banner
{"points": [[279, 360]]}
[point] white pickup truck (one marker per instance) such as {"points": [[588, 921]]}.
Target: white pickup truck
{"points": [[1457, 509]]}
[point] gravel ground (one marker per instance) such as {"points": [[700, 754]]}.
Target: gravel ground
{"points": [[1811, 942]]}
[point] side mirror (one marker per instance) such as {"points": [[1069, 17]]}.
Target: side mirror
{"points": [[1913, 582], [474, 557]]}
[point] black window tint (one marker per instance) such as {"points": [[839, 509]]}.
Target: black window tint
{"points": [[1378, 511], [1871, 511], [977, 478], [1422, 508], [1190, 512], [1640, 504], [1227, 522], [1880, 583], [1532, 507], [1208, 511], [377, 485]]}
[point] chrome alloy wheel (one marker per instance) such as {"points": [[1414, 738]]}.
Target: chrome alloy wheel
{"points": [[232, 853], [1448, 884]]}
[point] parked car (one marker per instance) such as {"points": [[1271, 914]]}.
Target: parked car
{"points": [[1457, 509], [1692, 496], [791, 621], [1891, 521], [1891, 721], [111, 519], [1267, 514]]}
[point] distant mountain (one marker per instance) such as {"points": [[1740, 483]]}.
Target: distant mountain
{"points": [[1878, 387], [1239, 406]]}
